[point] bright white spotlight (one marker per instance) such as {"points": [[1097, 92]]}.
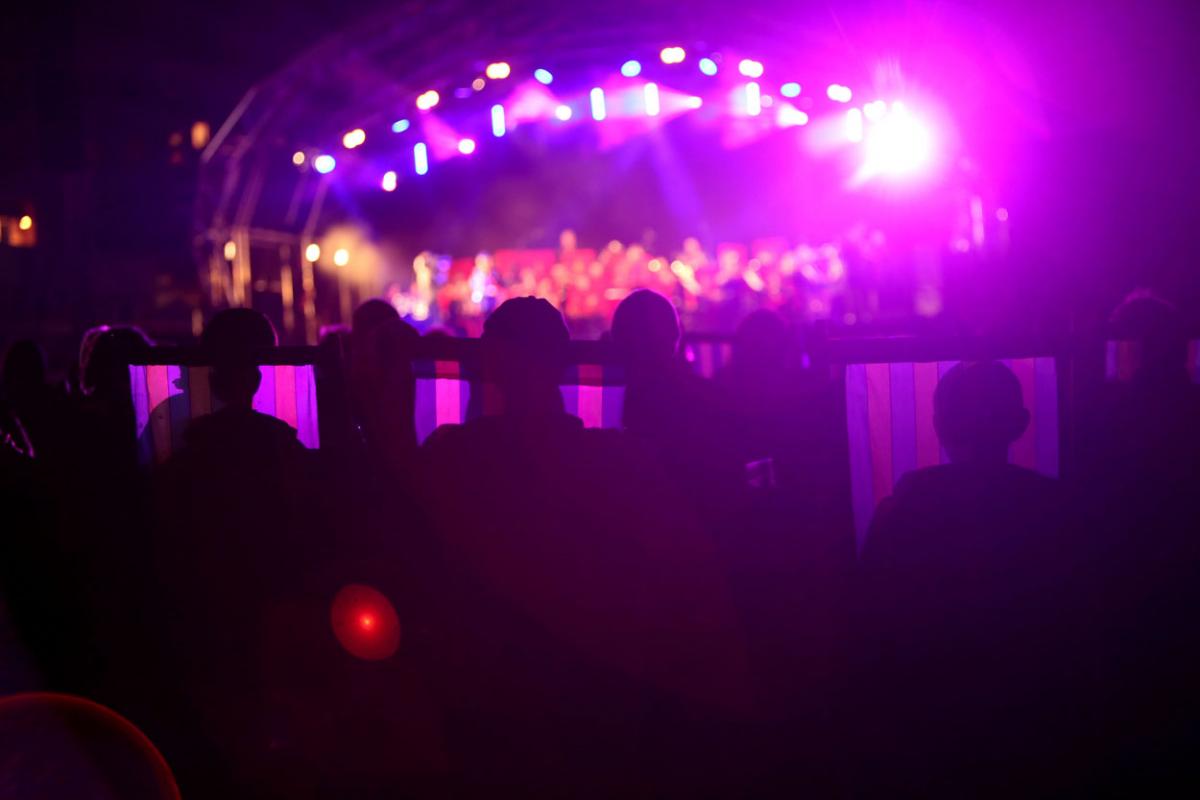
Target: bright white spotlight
{"points": [[400, 126], [499, 126], [427, 100], [694, 102], [341, 257], [230, 250], [324, 164], [312, 253], [298, 158], [750, 68], [562, 113], [420, 158], [838, 93], [875, 111], [543, 76], [708, 66], [599, 111], [498, 70], [354, 138], [631, 68], [897, 145], [753, 99], [789, 116], [650, 94], [466, 146], [790, 89], [854, 125], [672, 55], [389, 181]]}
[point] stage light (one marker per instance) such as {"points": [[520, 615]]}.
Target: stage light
{"points": [[427, 100], [789, 116], [750, 68], [854, 125], [466, 146], [897, 145], [543, 76], [25, 222], [354, 138], [341, 257], [562, 113], [631, 69], [324, 164], [650, 92], [708, 66], [790, 89], [498, 70], [298, 158], [498, 125], [838, 93], [201, 133], [693, 102], [672, 55], [598, 109], [312, 253], [420, 158], [365, 623], [389, 181], [753, 99], [230, 251], [1002, 214], [400, 126], [875, 111]]}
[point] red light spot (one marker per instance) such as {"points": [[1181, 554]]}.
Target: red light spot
{"points": [[365, 622]]}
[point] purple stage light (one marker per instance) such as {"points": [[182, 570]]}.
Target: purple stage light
{"points": [[597, 100], [388, 183], [631, 68], [400, 126], [790, 89], [420, 158], [466, 146], [543, 76], [499, 128], [898, 145], [838, 93], [708, 66], [753, 99], [324, 164], [650, 93], [750, 68], [563, 112]]}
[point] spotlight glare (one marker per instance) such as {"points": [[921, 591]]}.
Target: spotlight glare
{"points": [[427, 100], [25, 223], [498, 125], [631, 69], [694, 102], [341, 257], [354, 138], [599, 112], [324, 164], [708, 66], [312, 253], [466, 146], [389, 181], [897, 145], [875, 111], [789, 116], [478, 84], [298, 158], [838, 93], [498, 70], [230, 250], [854, 125], [400, 126], [790, 89], [672, 55], [750, 68], [420, 158], [650, 92], [562, 113], [753, 99], [543, 76]]}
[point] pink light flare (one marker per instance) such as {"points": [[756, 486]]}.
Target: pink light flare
{"points": [[898, 145]]}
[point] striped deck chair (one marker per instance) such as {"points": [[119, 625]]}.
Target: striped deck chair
{"points": [[889, 424], [167, 397]]}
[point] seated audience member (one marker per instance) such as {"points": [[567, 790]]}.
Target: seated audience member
{"points": [[382, 385], [965, 607], [668, 406], [581, 604]]}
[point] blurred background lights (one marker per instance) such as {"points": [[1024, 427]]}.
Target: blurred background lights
{"points": [[230, 250], [789, 116], [324, 164], [650, 93], [389, 181], [365, 622], [562, 113], [420, 158], [708, 66], [898, 145], [354, 138], [753, 99], [694, 102], [499, 127], [466, 146], [854, 125], [427, 100], [790, 89], [312, 253], [631, 68], [478, 84], [543, 76], [672, 55], [25, 223], [298, 158], [750, 68], [875, 111], [498, 70], [400, 126], [838, 93], [597, 100], [341, 257]]}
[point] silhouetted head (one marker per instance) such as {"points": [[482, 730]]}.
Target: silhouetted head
{"points": [[234, 341], [978, 412], [761, 341], [525, 351], [369, 319], [373, 313], [24, 369], [645, 328], [1156, 326], [103, 360]]}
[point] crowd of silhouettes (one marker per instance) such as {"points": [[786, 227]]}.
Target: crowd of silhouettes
{"points": [[677, 608]]}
